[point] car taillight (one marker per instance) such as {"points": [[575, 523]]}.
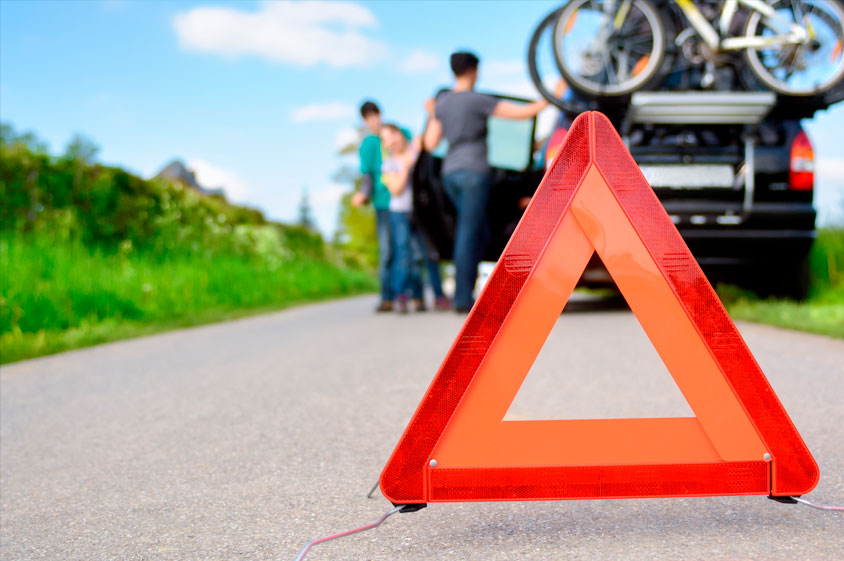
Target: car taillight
{"points": [[801, 173]]}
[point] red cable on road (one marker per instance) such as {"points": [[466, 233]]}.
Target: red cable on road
{"points": [[315, 541], [816, 505]]}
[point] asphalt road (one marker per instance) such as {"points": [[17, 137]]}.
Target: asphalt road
{"points": [[243, 440]]}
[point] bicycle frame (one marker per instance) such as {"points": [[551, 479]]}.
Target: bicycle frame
{"points": [[793, 34]]}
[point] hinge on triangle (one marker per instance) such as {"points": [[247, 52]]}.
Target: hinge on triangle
{"points": [[783, 500]]}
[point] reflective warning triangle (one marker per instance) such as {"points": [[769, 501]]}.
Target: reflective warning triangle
{"points": [[458, 447]]}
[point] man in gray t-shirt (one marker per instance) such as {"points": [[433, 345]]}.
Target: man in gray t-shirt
{"points": [[464, 124], [460, 116]]}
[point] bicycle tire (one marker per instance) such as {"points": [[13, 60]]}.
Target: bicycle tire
{"points": [[653, 73], [533, 69], [760, 72]]}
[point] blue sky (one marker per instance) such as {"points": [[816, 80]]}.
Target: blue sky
{"points": [[257, 96]]}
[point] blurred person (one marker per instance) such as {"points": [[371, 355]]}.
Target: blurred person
{"points": [[396, 174], [372, 189], [460, 115], [422, 257]]}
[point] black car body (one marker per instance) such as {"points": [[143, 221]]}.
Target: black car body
{"points": [[734, 172]]}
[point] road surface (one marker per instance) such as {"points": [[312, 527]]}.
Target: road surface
{"points": [[242, 440]]}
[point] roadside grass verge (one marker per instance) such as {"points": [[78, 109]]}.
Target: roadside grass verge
{"points": [[822, 312], [57, 295]]}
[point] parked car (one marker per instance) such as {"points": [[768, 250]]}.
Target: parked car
{"points": [[733, 171]]}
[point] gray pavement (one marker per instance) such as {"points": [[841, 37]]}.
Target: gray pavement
{"points": [[242, 440]]}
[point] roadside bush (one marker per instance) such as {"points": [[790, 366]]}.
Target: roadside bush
{"points": [[72, 197], [92, 253]]}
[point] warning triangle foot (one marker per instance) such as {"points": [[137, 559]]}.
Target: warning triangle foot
{"points": [[458, 447]]}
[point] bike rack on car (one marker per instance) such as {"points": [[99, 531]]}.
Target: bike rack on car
{"points": [[707, 108]]}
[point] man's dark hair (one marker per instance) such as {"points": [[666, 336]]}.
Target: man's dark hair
{"points": [[462, 62], [368, 108]]}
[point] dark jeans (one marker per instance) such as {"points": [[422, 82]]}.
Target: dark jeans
{"points": [[402, 263], [384, 231], [422, 256], [469, 191]]}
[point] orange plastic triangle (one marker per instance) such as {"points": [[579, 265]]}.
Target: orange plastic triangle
{"points": [[457, 446]]}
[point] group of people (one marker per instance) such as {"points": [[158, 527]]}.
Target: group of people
{"points": [[458, 115]]}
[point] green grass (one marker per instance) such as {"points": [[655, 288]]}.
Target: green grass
{"points": [[59, 295], [813, 317], [822, 312]]}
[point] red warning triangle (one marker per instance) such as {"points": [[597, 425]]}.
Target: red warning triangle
{"points": [[458, 447]]}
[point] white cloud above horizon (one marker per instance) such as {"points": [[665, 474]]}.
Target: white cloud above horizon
{"points": [[299, 33], [419, 61], [322, 112], [211, 176]]}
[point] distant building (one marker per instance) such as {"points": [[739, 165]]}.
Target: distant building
{"points": [[177, 171]]}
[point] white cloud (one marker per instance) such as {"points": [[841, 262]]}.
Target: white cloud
{"points": [[301, 33], [344, 137], [322, 112], [212, 177], [419, 61]]}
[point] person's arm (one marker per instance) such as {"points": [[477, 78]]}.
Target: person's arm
{"points": [[364, 192], [368, 177], [416, 144], [396, 181], [433, 134], [514, 111], [508, 110]]}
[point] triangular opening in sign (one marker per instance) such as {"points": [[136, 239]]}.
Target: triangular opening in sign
{"points": [[574, 377]]}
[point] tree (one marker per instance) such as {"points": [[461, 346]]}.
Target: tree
{"points": [[355, 233], [82, 149], [306, 219]]}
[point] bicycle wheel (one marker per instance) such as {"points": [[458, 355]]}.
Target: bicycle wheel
{"points": [[809, 68], [609, 48]]}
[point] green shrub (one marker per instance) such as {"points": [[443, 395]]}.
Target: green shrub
{"points": [[70, 196], [91, 253]]}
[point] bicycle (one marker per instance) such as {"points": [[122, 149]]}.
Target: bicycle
{"points": [[611, 48]]}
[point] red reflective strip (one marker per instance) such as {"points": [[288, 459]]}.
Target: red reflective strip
{"points": [[598, 482]]}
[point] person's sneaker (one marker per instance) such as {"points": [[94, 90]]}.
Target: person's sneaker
{"points": [[401, 304], [442, 304], [419, 305], [462, 310], [384, 306]]}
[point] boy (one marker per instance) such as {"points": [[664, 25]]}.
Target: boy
{"points": [[460, 115], [373, 189]]}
